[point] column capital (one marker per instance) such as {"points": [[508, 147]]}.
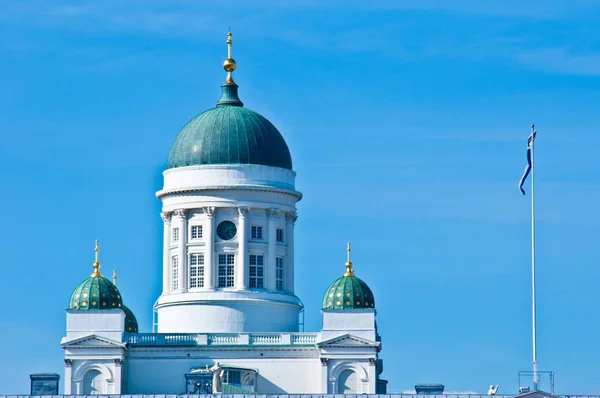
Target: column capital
{"points": [[166, 216], [182, 213], [118, 361], [209, 210], [68, 362], [243, 211], [272, 212], [291, 216], [324, 361]]}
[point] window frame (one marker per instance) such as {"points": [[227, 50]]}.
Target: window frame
{"points": [[175, 235], [256, 281], [279, 233], [225, 270], [175, 272], [197, 227], [197, 272], [256, 232], [279, 273]]}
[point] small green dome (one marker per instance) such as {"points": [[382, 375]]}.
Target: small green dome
{"points": [[348, 292], [229, 134], [95, 293], [131, 325]]}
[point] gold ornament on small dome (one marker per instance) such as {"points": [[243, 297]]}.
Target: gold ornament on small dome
{"points": [[96, 265], [229, 65], [349, 271]]}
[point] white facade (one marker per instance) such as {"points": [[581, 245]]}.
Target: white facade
{"points": [[228, 306], [219, 285], [228, 315]]}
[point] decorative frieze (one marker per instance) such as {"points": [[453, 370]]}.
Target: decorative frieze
{"points": [[291, 217], [272, 212], [182, 213]]}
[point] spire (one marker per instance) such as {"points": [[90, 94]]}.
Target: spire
{"points": [[114, 277], [229, 94], [96, 272], [229, 64], [349, 271]]}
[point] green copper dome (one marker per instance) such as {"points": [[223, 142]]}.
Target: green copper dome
{"points": [[348, 292], [95, 293], [131, 325], [229, 134]]}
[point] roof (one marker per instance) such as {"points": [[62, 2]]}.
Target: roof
{"points": [[229, 134]]}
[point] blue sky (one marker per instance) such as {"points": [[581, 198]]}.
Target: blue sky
{"points": [[407, 122]]}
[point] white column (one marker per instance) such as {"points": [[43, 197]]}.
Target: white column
{"points": [[272, 215], [209, 266], [288, 273], [166, 217], [68, 376], [117, 376], [324, 375], [182, 249], [372, 372], [242, 261]]}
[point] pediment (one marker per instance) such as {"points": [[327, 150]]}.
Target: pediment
{"points": [[92, 341], [348, 340]]}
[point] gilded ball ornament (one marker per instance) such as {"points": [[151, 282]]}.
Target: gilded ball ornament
{"points": [[229, 65]]}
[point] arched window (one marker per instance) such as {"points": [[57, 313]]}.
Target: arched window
{"points": [[93, 383], [347, 382]]}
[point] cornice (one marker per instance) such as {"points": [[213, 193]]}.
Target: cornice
{"points": [[258, 188]]}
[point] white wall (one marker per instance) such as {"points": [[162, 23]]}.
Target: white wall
{"points": [[280, 371], [359, 323], [212, 315], [247, 195], [105, 323]]}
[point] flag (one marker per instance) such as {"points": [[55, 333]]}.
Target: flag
{"points": [[528, 167]]}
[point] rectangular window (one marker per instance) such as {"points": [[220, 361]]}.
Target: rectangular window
{"points": [[175, 234], [279, 273], [256, 271], [226, 270], [196, 270], [175, 268], [232, 377], [279, 235], [256, 232], [196, 231]]}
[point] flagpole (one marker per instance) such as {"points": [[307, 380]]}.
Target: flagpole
{"points": [[533, 318]]}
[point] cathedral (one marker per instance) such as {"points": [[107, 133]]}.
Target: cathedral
{"points": [[228, 317]]}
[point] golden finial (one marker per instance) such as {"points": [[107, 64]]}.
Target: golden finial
{"points": [[96, 272], [114, 277], [349, 271], [229, 64]]}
